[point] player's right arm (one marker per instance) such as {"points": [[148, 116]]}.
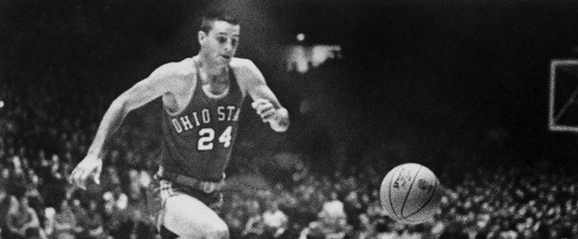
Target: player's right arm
{"points": [[164, 80]]}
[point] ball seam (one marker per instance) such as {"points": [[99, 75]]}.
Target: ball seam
{"points": [[389, 195], [409, 191], [428, 200]]}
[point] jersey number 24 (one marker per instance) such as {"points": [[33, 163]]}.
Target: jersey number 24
{"points": [[207, 135]]}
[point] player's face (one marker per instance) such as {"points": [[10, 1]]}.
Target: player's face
{"points": [[220, 44]]}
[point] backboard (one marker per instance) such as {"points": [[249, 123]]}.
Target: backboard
{"points": [[563, 104]]}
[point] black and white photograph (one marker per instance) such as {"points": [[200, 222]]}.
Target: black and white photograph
{"points": [[289, 119]]}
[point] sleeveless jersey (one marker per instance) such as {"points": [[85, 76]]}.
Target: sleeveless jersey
{"points": [[197, 142]]}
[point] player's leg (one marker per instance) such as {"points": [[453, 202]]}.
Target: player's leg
{"points": [[189, 218]]}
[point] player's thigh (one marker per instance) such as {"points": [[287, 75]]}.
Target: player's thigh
{"points": [[188, 217]]}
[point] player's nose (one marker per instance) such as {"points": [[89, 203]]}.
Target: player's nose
{"points": [[229, 46]]}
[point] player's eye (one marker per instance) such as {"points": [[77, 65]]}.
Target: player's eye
{"points": [[234, 42], [222, 40]]}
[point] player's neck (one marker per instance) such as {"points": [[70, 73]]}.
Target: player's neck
{"points": [[211, 70]]}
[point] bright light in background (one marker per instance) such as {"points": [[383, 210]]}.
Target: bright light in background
{"points": [[1, 104], [300, 37], [301, 58]]}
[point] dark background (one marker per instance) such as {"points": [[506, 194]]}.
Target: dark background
{"points": [[464, 83]]}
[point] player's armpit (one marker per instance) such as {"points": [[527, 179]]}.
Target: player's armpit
{"points": [[161, 81]]}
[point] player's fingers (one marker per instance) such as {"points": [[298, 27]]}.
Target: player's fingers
{"points": [[71, 176], [258, 110], [96, 174], [77, 179], [82, 177], [265, 108], [268, 115], [74, 176], [258, 102]]}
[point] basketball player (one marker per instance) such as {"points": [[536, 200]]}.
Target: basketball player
{"points": [[202, 97]]}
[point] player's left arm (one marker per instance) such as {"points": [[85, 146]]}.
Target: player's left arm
{"points": [[264, 100]]}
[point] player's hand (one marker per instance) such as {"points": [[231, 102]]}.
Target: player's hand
{"points": [[89, 168], [264, 109]]}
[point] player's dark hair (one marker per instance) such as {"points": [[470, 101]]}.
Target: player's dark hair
{"points": [[216, 15]]}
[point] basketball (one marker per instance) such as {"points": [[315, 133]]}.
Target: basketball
{"points": [[410, 193]]}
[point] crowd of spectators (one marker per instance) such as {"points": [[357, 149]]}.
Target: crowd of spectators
{"points": [[42, 139], [499, 203], [41, 143]]}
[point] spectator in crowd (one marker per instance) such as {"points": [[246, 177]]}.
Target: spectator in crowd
{"points": [[22, 221], [255, 226], [93, 224], [65, 225], [274, 220], [333, 213], [313, 231], [235, 219], [365, 228]]}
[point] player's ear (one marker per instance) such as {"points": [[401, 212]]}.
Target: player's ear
{"points": [[201, 35]]}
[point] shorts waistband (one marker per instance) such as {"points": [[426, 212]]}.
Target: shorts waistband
{"points": [[205, 186]]}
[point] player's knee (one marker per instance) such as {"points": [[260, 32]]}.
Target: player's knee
{"points": [[217, 231]]}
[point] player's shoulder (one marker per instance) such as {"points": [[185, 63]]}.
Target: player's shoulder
{"points": [[181, 68], [241, 64], [245, 69]]}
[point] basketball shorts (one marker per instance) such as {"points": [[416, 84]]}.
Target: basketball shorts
{"points": [[160, 190]]}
